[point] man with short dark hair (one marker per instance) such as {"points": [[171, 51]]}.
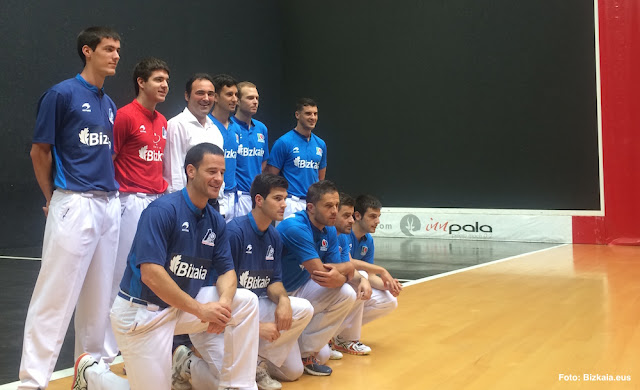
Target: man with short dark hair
{"points": [[312, 268], [384, 288], [225, 101], [191, 127], [180, 249], [71, 153], [300, 156], [139, 137], [253, 150]]}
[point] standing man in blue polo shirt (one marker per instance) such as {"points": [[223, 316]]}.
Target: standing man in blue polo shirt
{"points": [[312, 268], [225, 100], [300, 156], [180, 247], [71, 154], [253, 150]]}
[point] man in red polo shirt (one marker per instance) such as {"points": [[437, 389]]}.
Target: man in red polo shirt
{"points": [[139, 134]]}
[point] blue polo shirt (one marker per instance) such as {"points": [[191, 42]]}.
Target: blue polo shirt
{"points": [[299, 160], [302, 241], [231, 140], [252, 151], [362, 249], [344, 246], [191, 244], [77, 119], [256, 254]]}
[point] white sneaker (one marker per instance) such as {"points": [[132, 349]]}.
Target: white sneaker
{"points": [[79, 380], [351, 347], [181, 368], [264, 380], [335, 355]]}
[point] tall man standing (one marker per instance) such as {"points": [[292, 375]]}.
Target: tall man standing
{"points": [[139, 137], [253, 150], [300, 156], [189, 128], [71, 153], [225, 101]]}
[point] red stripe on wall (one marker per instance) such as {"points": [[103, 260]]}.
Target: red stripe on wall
{"points": [[619, 24]]}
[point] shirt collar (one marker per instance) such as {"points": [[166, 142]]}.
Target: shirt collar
{"points": [[243, 123], [89, 86], [353, 235], [254, 225], [313, 227], [196, 211], [192, 118], [144, 110]]}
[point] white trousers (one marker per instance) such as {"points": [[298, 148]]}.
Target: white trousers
{"points": [[78, 256], [330, 307], [131, 207], [294, 204], [228, 206], [243, 203], [100, 377], [380, 304], [285, 348], [145, 340]]}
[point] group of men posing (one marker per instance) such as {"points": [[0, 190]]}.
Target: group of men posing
{"points": [[156, 229]]}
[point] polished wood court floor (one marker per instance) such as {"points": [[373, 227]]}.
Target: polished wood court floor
{"points": [[539, 321]]}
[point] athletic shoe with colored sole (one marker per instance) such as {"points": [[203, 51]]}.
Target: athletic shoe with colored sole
{"points": [[79, 380], [350, 347], [312, 367]]}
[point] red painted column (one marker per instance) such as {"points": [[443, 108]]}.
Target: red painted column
{"points": [[619, 23]]}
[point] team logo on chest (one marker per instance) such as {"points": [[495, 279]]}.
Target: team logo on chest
{"points": [[111, 116], [253, 282], [260, 137], [324, 245], [164, 133], [249, 249], [142, 129], [295, 150], [94, 139], [300, 163], [149, 155], [318, 151], [237, 139], [270, 252], [364, 250], [209, 238], [187, 270], [86, 107], [185, 227]]}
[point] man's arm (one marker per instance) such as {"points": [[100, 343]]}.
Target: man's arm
{"points": [[270, 169], [42, 166], [264, 166], [362, 286], [331, 275], [158, 280], [278, 295], [174, 155], [322, 173], [270, 331], [379, 277]]}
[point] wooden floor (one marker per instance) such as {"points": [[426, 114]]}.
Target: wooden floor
{"points": [[519, 324]]}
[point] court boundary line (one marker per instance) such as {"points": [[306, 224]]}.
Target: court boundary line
{"points": [[457, 271], [64, 373], [21, 258]]}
